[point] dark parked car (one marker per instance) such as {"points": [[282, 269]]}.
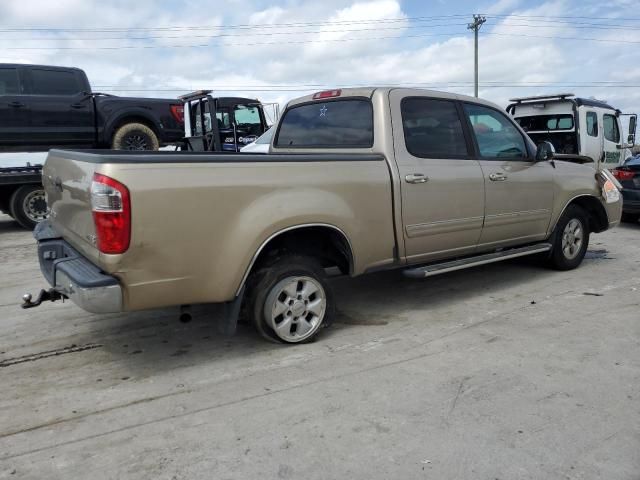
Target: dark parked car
{"points": [[628, 174], [43, 107]]}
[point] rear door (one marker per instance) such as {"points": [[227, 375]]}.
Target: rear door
{"points": [[14, 112], [518, 190], [442, 185], [61, 113]]}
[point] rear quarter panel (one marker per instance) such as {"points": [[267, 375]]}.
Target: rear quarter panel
{"points": [[196, 227]]}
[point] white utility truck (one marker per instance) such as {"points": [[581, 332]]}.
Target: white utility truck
{"points": [[576, 126]]}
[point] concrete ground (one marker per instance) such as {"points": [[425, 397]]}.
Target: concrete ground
{"points": [[508, 371]]}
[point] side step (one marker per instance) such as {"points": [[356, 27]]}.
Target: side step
{"points": [[444, 267]]}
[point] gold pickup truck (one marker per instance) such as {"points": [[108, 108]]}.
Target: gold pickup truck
{"points": [[362, 179]]}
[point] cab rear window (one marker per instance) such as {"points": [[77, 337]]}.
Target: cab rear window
{"points": [[333, 124]]}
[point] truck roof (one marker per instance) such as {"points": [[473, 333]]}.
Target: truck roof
{"points": [[370, 91], [17, 65], [559, 97]]}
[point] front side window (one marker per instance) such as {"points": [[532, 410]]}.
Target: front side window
{"points": [[53, 82], [222, 115], [610, 126], [592, 124], [333, 124], [432, 128], [9, 84], [496, 136]]}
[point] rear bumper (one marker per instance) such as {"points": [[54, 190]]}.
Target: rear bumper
{"points": [[71, 274], [631, 201]]}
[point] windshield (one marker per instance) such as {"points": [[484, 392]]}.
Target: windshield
{"points": [[248, 118]]}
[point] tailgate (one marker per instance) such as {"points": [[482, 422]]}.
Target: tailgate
{"points": [[67, 181]]}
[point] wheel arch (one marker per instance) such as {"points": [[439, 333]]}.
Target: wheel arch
{"points": [[596, 213], [327, 242], [132, 117]]}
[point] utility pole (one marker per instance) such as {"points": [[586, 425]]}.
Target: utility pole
{"points": [[478, 20]]}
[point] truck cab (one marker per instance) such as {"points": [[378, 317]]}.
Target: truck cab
{"points": [[576, 126], [238, 122]]}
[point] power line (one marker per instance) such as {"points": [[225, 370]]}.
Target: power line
{"points": [[296, 42], [245, 34]]}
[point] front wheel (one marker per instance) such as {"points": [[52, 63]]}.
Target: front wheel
{"points": [[570, 239], [28, 206], [290, 300]]}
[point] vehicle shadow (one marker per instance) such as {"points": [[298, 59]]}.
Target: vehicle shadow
{"points": [[152, 341], [9, 225]]}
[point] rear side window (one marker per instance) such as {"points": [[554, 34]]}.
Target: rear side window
{"points": [[341, 123], [432, 128], [610, 126], [496, 136], [53, 82], [9, 84], [546, 123], [592, 124]]}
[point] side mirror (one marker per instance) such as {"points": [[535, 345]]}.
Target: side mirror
{"points": [[545, 151], [633, 119], [631, 140]]}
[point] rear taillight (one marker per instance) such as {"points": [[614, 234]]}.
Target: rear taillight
{"points": [[111, 208], [327, 94], [177, 111], [622, 175]]}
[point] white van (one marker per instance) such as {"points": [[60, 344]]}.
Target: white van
{"points": [[576, 126]]}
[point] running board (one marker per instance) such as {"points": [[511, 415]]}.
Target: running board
{"points": [[445, 267]]}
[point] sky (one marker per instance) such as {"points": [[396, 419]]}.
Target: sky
{"points": [[276, 51]]}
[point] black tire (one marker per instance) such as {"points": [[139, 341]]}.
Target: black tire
{"points": [[135, 136], [568, 258], [264, 285], [630, 217], [28, 206]]}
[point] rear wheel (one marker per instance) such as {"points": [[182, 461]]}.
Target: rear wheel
{"points": [[28, 206], [290, 299], [135, 136], [570, 239]]}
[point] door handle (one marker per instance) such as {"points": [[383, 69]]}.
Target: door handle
{"points": [[16, 104], [78, 105], [416, 178], [497, 177]]}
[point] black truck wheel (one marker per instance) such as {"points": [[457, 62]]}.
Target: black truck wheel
{"points": [[135, 136], [28, 206]]}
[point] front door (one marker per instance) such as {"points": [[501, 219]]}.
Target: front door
{"points": [[442, 185], [14, 111], [611, 141], [518, 190], [61, 114]]}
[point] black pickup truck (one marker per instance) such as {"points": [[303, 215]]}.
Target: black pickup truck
{"points": [[43, 107]]}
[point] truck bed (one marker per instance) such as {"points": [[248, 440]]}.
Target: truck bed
{"points": [[198, 219]]}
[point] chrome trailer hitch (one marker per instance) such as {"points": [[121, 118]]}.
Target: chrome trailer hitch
{"points": [[50, 295]]}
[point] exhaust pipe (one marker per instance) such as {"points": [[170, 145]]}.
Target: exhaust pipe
{"points": [[185, 313]]}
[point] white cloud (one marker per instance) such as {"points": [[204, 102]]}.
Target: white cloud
{"points": [[316, 53]]}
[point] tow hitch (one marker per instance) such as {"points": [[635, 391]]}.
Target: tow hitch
{"points": [[50, 295]]}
